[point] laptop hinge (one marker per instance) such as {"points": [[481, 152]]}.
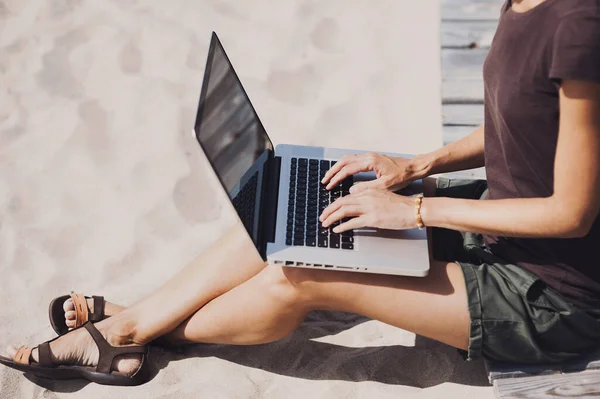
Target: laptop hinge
{"points": [[269, 208]]}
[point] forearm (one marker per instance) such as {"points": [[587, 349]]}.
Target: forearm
{"points": [[570, 211], [466, 153], [530, 217]]}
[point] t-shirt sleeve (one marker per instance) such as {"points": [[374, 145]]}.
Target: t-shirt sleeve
{"points": [[576, 50]]}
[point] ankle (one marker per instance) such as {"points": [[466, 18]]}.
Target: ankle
{"points": [[122, 330]]}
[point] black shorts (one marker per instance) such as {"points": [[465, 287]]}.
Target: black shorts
{"points": [[515, 317]]}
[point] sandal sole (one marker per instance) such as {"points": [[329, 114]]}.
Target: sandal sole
{"points": [[80, 372]]}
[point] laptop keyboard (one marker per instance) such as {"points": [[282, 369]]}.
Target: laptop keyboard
{"points": [[245, 202], [307, 200]]}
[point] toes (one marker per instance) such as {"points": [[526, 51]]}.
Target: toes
{"points": [[12, 352], [68, 305], [70, 315]]}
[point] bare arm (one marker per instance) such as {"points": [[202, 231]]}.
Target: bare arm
{"points": [[466, 153], [569, 212], [396, 172], [575, 204]]}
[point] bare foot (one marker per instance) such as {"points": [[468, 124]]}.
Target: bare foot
{"points": [[110, 309], [78, 348]]}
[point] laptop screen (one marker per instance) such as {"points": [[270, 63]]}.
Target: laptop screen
{"points": [[233, 137]]}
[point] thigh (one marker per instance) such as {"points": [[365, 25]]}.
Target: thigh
{"points": [[434, 306]]}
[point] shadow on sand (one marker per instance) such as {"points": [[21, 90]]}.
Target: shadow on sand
{"points": [[427, 364]]}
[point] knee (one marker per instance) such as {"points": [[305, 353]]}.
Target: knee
{"points": [[293, 276], [286, 283]]}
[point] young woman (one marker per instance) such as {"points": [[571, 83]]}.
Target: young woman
{"points": [[525, 288]]}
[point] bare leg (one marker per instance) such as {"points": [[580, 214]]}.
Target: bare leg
{"points": [[272, 304], [243, 317], [222, 267], [227, 263], [246, 309]]}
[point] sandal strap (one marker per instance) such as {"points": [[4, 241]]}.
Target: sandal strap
{"points": [[98, 314], [23, 355], [45, 359], [107, 352], [81, 309]]}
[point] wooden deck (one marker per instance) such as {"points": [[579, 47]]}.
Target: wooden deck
{"points": [[467, 29], [575, 379]]}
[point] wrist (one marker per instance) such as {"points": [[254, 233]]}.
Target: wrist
{"points": [[432, 211], [420, 166], [418, 218], [425, 211]]}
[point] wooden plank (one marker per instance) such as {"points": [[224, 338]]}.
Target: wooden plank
{"points": [[582, 385], [462, 91], [462, 86], [499, 370], [463, 63], [467, 34], [454, 133], [462, 75], [471, 9], [520, 372], [462, 114]]}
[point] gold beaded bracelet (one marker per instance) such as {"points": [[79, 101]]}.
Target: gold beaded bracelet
{"points": [[418, 202]]}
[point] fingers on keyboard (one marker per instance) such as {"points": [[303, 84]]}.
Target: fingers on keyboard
{"points": [[307, 200]]}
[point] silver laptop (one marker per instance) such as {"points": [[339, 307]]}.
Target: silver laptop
{"points": [[277, 193]]}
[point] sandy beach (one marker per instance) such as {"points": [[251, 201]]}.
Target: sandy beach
{"points": [[103, 189]]}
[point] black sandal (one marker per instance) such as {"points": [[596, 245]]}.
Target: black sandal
{"points": [[56, 311], [101, 374]]}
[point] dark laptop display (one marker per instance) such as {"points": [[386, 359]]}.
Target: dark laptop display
{"points": [[233, 139]]}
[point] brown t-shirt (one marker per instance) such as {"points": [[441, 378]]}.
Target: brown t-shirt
{"points": [[532, 52]]}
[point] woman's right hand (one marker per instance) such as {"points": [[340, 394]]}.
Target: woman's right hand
{"points": [[392, 173]]}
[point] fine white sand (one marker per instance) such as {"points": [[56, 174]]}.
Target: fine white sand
{"points": [[103, 190]]}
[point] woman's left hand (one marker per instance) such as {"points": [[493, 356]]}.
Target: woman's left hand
{"points": [[371, 208]]}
